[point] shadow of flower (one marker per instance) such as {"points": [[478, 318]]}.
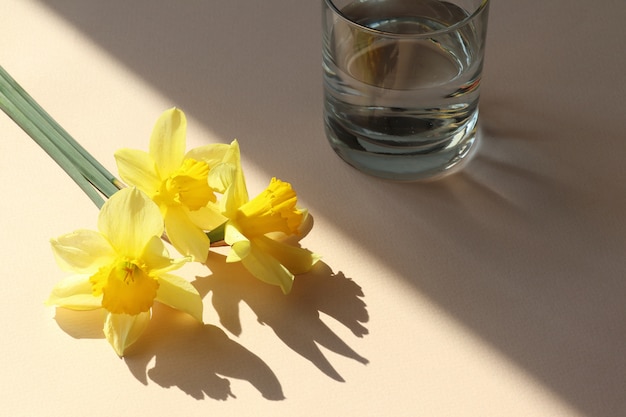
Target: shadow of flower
{"points": [[294, 318], [198, 359], [176, 351]]}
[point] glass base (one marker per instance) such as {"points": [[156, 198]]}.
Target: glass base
{"points": [[394, 164]]}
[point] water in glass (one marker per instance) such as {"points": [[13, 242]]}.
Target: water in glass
{"points": [[402, 86]]}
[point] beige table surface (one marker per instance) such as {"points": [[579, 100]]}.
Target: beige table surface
{"points": [[500, 291]]}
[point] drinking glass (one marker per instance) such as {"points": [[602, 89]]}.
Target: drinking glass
{"points": [[402, 82]]}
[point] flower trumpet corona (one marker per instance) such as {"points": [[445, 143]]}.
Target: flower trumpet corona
{"points": [[122, 268], [177, 182]]}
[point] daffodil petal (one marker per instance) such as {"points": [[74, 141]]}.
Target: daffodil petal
{"points": [[212, 154], [207, 218], [233, 155], [221, 176], [237, 193], [168, 141], [129, 219], [137, 168], [297, 260], [178, 293], [157, 259], [267, 269], [238, 251], [232, 234], [186, 237], [122, 330], [74, 292], [82, 251]]}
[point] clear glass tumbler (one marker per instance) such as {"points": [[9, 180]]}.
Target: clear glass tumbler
{"points": [[401, 83]]}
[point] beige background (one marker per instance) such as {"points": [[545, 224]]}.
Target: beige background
{"points": [[497, 292]]}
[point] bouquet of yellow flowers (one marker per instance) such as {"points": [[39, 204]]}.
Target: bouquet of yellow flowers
{"points": [[191, 199]]}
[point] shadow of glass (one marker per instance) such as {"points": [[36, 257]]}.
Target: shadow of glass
{"points": [[197, 359], [535, 252], [294, 318]]}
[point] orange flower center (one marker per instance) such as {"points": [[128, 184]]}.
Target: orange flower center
{"points": [[125, 287]]}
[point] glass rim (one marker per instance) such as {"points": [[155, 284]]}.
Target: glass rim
{"points": [[451, 28]]}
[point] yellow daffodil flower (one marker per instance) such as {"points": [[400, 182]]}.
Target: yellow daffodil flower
{"points": [[179, 183], [123, 268], [256, 228]]}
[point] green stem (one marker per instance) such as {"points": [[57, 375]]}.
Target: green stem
{"points": [[59, 157], [31, 117]]}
